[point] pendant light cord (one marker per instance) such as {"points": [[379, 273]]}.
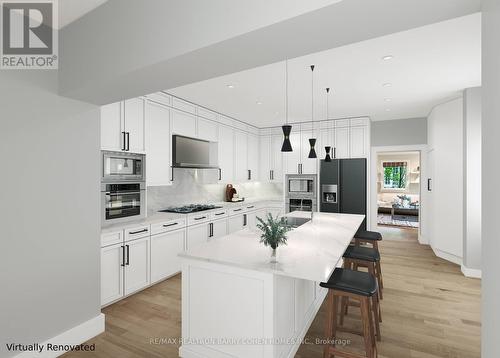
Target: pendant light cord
{"points": [[327, 91], [286, 90], [312, 97]]}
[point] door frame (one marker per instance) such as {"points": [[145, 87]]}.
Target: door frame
{"points": [[375, 151]]}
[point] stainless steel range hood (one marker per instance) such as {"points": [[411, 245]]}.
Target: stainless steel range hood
{"points": [[194, 153]]}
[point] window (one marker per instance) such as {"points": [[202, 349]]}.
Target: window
{"points": [[395, 175]]}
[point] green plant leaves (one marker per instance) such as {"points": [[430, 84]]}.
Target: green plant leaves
{"points": [[273, 231]]}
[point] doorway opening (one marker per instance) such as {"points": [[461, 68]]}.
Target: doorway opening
{"points": [[398, 190]]}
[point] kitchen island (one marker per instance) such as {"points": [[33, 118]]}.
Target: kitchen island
{"points": [[235, 303]]}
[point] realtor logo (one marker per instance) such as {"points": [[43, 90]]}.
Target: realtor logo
{"points": [[29, 34]]}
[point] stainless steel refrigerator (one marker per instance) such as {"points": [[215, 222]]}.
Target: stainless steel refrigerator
{"points": [[343, 187]]}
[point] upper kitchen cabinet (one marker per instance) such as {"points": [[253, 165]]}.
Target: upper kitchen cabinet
{"points": [[270, 157], [253, 157], [134, 124], [183, 123], [112, 136], [298, 161], [158, 144], [241, 156], [342, 139], [122, 126], [226, 153], [359, 140], [207, 130], [308, 165], [292, 159]]}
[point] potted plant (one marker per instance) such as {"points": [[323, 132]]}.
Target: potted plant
{"points": [[273, 233]]}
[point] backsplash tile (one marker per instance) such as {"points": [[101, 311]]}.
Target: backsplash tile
{"points": [[201, 186]]}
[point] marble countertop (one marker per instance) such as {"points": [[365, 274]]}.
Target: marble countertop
{"points": [[165, 217], [312, 253]]}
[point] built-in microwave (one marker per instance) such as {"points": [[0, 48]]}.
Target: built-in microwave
{"points": [[120, 166], [301, 185]]}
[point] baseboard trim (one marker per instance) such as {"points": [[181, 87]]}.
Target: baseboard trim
{"points": [[447, 256], [422, 240], [469, 272], [74, 336]]}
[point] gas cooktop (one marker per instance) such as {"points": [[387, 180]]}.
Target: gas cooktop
{"points": [[192, 208]]}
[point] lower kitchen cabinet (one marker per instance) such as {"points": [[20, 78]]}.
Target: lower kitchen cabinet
{"points": [[219, 228], [112, 261], [164, 250], [196, 234], [236, 223], [136, 265], [252, 217]]}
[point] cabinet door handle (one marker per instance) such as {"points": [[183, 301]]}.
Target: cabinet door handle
{"points": [[429, 181], [123, 256], [124, 141], [220, 174], [249, 174], [137, 232], [128, 141], [210, 230], [201, 217], [128, 255], [168, 225], [270, 175], [244, 219]]}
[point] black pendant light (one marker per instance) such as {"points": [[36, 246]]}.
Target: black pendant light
{"points": [[312, 141], [287, 129], [327, 148]]}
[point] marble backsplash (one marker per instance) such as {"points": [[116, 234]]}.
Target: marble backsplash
{"points": [[201, 186]]}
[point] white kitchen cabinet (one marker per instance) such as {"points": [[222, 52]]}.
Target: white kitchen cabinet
{"points": [[122, 126], [342, 142], [219, 228], [265, 158], [137, 265], [226, 153], [253, 156], [112, 137], [308, 165], [196, 234], [325, 138], [158, 144], [252, 218], [133, 112], [275, 211], [240, 156], [292, 159], [164, 250], [183, 123], [235, 223], [112, 261], [359, 141], [207, 130], [277, 158]]}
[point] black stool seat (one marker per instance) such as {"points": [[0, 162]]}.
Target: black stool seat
{"points": [[357, 282], [362, 253], [368, 235]]}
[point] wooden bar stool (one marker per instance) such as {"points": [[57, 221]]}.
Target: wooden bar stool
{"points": [[372, 238], [356, 256], [359, 286]]}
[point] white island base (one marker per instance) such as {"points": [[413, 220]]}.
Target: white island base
{"points": [[237, 304]]}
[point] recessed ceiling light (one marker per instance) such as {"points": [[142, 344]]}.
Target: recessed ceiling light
{"points": [[258, 102], [387, 99], [388, 84], [387, 109], [230, 86], [387, 57]]}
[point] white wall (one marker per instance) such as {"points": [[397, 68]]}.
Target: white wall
{"points": [[49, 232], [490, 344], [472, 181], [445, 207], [408, 131]]}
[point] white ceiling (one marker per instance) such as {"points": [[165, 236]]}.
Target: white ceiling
{"points": [[430, 64], [72, 10]]}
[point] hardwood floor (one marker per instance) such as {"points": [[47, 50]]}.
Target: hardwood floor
{"points": [[429, 310]]}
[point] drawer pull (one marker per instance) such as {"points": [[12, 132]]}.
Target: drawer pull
{"points": [[237, 209], [168, 225], [201, 217], [137, 232], [250, 207], [217, 214]]}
